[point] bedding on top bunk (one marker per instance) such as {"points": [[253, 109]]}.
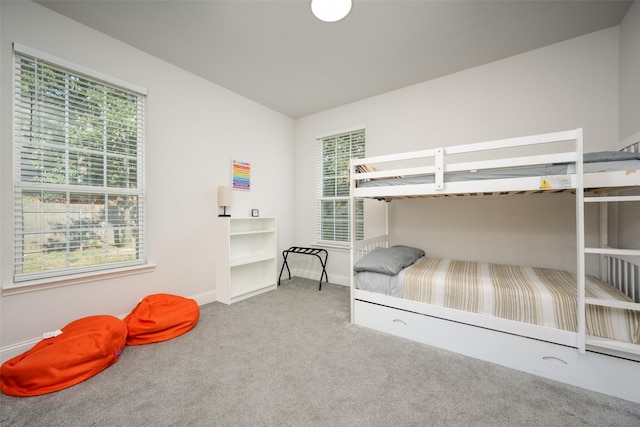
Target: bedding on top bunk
{"points": [[605, 161], [539, 296]]}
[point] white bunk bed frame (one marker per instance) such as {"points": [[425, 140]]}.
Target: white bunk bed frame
{"points": [[601, 365]]}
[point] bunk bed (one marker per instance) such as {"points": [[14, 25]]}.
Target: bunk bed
{"points": [[389, 291]]}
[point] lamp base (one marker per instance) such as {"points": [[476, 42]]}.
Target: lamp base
{"points": [[224, 215]]}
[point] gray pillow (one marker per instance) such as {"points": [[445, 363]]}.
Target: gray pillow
{"points": [[388, 260]]}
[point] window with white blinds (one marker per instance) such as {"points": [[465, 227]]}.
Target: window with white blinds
{"points": [[332, 213], [78, 171]]}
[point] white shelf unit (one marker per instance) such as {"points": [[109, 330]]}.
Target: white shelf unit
{"points": [[246, 259]]}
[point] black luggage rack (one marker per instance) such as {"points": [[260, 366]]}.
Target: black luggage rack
{"points": [[306, 251]]}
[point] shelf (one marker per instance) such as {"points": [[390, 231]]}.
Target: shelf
{"points": [[249, 260], [266, 287], [249, 233], [246, 257], [251, 225]]}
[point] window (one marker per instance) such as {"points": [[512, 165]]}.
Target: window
{"points": [[332, 217], [78, 170]]}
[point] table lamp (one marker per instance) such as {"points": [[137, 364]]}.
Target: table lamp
{"points": [[224, 199]]}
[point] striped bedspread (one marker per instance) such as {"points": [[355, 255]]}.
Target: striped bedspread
{"points": [[538, 296]]}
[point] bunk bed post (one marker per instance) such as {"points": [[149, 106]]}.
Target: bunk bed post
{"points": [[352, 234], [386, 218], [580, 243]]}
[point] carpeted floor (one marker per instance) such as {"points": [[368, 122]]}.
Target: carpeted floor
{"points": [[291, 358]]}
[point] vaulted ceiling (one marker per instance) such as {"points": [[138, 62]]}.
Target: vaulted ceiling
{"points": [[278, 54]]}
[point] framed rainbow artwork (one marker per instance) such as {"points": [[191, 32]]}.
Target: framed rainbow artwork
{"points": [[241, 173]]}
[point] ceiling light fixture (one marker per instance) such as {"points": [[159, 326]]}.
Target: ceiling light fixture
{"points": [[330, 10]]}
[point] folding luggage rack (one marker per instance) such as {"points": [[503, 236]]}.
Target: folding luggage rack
{"points": [[306, 251]]}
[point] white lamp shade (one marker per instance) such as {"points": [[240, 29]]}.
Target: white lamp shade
{"points": [[330, 10], [224, 196]]}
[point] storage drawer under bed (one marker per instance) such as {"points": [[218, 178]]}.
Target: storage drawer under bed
{"points": [[615, 376], [482, 343]]}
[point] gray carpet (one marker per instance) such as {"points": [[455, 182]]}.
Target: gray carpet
{"points": [[291, 358]]}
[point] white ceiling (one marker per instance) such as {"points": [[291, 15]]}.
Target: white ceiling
{"points": [[278, 54]]}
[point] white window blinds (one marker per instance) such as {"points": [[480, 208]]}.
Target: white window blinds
{"points": [[332, 212], [78, 171]]}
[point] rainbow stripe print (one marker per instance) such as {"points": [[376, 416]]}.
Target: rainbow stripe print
{"points": [[241, 175]]}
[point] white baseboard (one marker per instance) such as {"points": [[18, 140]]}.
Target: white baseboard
{"points": [[205, 297], [341, 280], [12, 350]]}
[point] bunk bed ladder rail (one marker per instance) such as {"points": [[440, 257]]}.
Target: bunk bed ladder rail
{"points": [[621, 269]]}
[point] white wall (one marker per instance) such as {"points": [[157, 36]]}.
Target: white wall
{"points": [[563, 86], [630, 112], [193, 130], [630, 72]]}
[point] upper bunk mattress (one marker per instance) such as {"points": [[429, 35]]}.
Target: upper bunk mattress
{"points": [[538, 296], [606, 161]]}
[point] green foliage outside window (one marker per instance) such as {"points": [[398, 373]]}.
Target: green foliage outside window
{"points": [[78, 148]]}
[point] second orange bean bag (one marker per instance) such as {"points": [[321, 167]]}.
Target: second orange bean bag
{"points": [[160, 317]]}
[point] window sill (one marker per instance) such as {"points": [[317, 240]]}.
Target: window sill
{"points": [[57, 282]]}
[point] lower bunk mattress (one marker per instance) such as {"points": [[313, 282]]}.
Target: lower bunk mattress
{"points": [[538, 296]]}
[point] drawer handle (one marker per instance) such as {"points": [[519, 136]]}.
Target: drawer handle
{"points": [[554, 359], [399, 321]]}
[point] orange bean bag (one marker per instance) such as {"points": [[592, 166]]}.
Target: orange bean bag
{"points": [[161, 317], [85, 347]]}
